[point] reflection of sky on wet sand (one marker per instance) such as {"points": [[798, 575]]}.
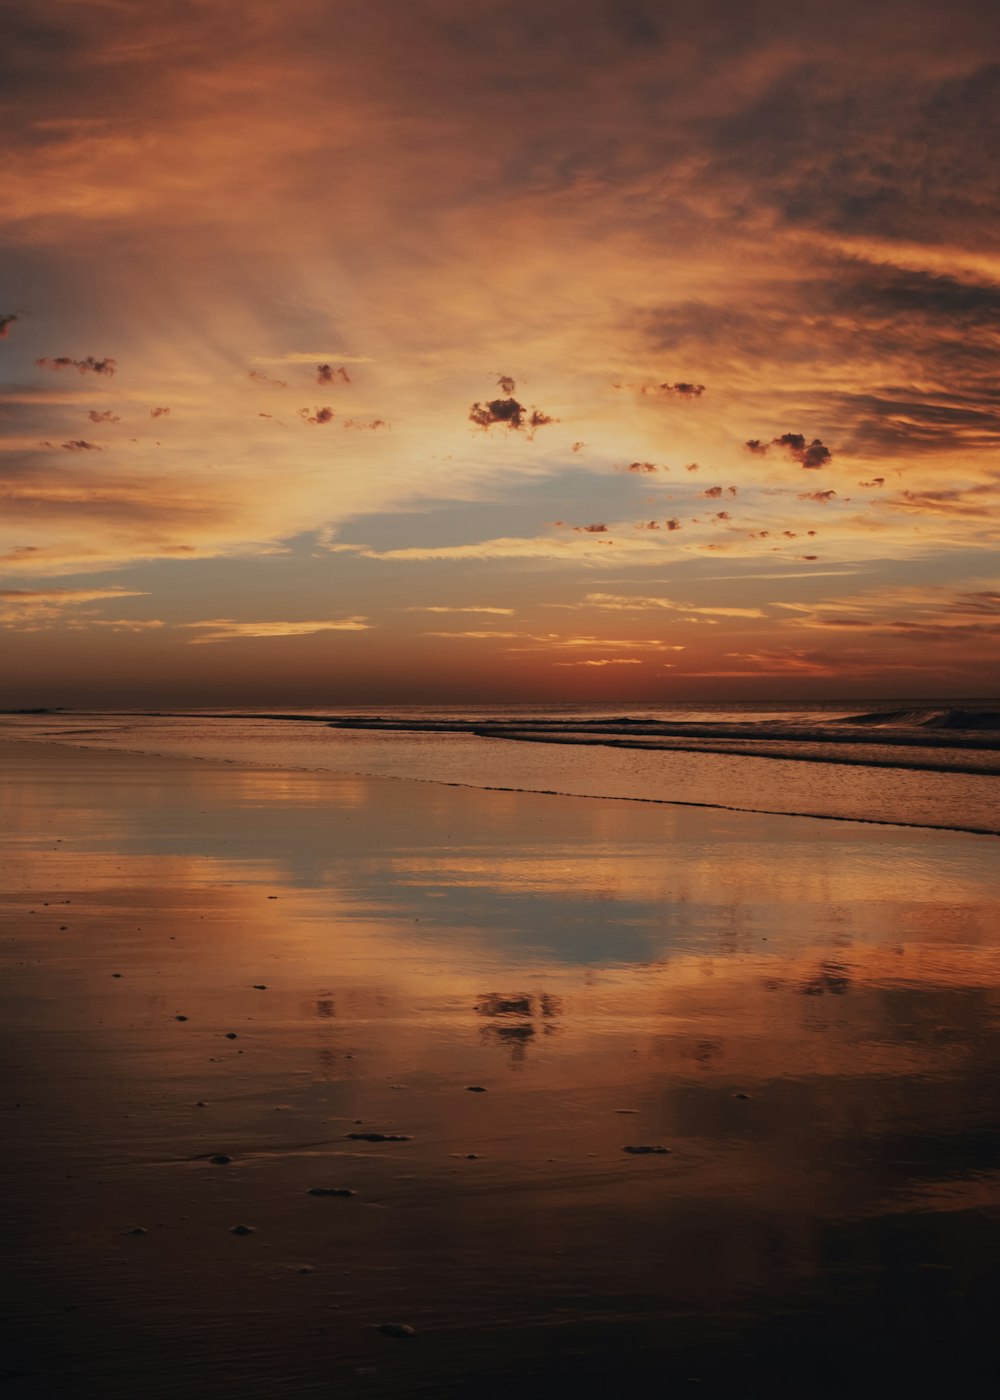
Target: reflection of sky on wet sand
{"points": [[805, 1013]]}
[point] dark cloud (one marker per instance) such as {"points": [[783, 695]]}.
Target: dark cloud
{"points": [[974, 502], [369, 427], [326, 374], [640, 467], [851, 147], [508, 412], [692, 467], [322, 415], [673, 524], [103, 417], [821, 496], [940, 332], [886, 293], [902, 313], [713, 493], [899, 421], [159, 412], [591, 529], [105, 366], [262, 378], [6, 322], [875, 481], [649, 525], [807, 454], [680, 389], [81, 445], [578, 446]]}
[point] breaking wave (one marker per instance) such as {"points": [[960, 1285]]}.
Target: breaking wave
{"points": [[971, 721]]}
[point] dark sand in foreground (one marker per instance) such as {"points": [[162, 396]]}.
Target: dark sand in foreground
{"points": [[804, 1013]]}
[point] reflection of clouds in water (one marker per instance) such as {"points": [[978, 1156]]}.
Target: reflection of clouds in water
{"points": [[514, 1039], [519, 1004], [512, 1019], [832, 977]]}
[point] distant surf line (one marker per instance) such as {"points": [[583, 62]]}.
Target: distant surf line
{"points": [[710, 746]]}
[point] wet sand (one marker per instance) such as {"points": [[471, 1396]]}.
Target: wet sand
{"points": [[201, 960]]}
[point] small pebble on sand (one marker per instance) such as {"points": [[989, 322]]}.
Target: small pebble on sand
{"points": [[645, 1150], [396, 1329], [241, 1230]]}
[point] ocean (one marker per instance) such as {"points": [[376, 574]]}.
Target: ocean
{"points": [[324, 1084], [931, 764]]}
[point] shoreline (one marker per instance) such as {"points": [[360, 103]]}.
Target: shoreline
{"points": [[539, 792]]}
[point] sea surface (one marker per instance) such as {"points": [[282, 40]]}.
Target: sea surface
{"points": [[325, 1071], [317, 1085], [930, 764]]}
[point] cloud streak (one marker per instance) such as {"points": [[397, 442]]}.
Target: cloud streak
{"points": [[89, 365], [227, 629]]}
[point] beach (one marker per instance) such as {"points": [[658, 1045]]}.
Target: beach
{"points": [[511, 1092]]}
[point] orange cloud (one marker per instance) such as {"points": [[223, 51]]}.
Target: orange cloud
{"points": [[226, 629]]}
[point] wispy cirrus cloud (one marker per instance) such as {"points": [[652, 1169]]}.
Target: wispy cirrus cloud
{"points": [[39, 609], [604, 661], [944, 616], [468, 608], [227, 629], [615, 602]]}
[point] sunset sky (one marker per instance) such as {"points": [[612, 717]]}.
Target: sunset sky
{"points": [[457, 350]]}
